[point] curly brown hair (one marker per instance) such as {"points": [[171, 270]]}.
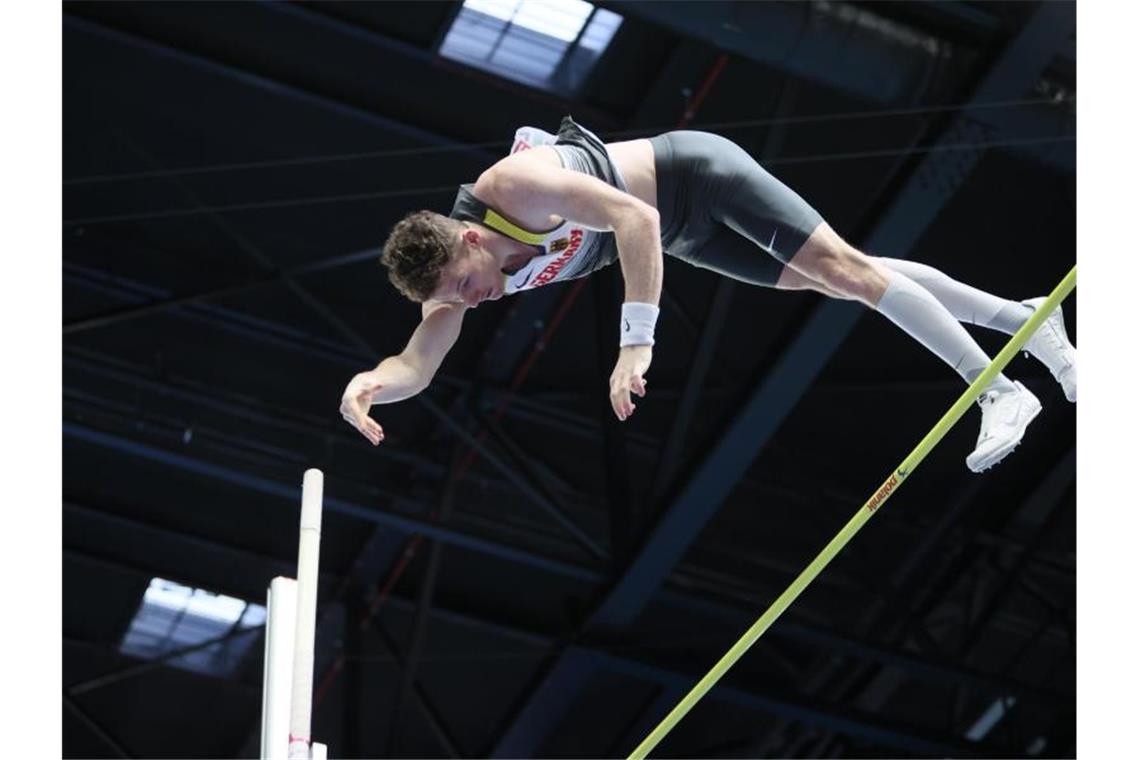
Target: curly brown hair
{"points": [[420, 246]]}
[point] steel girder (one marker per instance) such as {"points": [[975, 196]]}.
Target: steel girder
{"points": [[266, 331], [414, 647], [1039, 509], [786, 37], [127, 313], [240, 324], [932, 669], [93, 726], [864, 725], [791, 37], [271, 487], [277, 88]]}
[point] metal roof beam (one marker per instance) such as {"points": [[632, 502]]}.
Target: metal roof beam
{"points": [[524, 483], [819, 47], [283, 336], [923, 667], [864, 725], [93, 726], [401, 522], [159, 50]]}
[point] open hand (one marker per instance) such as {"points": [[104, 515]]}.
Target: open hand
{"points": [[356, 402], [629, 377]]}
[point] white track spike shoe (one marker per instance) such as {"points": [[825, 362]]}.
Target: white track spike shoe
{"points": [[1004, 419], [1050, 345]]}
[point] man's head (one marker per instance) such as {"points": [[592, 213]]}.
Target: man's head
{"points": [[416, 252], [430, 256]]}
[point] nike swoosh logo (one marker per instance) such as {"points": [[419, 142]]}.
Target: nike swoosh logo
{"points": [[529, 275], [626, 325]]}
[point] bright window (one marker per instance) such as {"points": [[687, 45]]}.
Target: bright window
{"points": [[550, 44], [172, 617]]}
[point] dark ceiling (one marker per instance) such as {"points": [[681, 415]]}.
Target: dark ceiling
{"points": [[229, 173]]}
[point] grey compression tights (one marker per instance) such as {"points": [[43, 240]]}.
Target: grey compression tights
{"points": [[926, 319], [966, 303]]}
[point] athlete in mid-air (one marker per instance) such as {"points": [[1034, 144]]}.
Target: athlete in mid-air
{"points": [[571, 204]]}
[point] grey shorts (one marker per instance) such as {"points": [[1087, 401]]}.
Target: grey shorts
{"points": [[721, 210]]}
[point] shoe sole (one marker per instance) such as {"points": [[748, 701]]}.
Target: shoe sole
{"points": [[1035, 303], [1065, 387], [999, 454]]}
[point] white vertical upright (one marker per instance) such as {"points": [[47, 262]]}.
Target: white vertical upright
{"points": [[308, 560], [277, 683]]}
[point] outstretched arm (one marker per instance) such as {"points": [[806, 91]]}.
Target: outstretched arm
{"points": [[533, 189], [406, 374]]}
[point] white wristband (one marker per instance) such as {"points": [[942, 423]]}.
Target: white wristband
{"points": [[637, 323]]}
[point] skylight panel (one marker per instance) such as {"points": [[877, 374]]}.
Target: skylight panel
{"points": [[601, 29], [561, 19], [550, 44], [172, 617], [500, 9]]}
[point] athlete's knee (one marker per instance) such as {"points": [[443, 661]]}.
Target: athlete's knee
{"points": [[828, 259], [849, 272], [790, 279]]}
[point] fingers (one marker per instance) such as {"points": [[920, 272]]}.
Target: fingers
{"points": [[620, 395], [621, 403], [638, 385], [359, 419], [369, 429]]}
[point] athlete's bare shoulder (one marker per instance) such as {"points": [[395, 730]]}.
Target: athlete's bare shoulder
{"points": [[498, 187], [525, 162]]}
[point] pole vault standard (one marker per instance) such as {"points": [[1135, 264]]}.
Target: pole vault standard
{"points": [[290, 633], [884, 492]]}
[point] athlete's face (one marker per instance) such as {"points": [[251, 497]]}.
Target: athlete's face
{"points": [[473, 276]]}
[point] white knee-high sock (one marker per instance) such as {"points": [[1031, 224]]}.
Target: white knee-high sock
{"points": [[920, 315], [966, 303]]}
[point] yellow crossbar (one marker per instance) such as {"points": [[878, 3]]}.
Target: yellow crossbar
{"points": [[884, 492]]}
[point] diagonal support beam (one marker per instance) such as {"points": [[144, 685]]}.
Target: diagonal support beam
{"points": [[866, 726], [127, 313], [919, 202], [93, 726], [670, 457], [414, 649], [275, 87], [672, 677], [226, 320], [133, 671], [682, 602], [272, 487]]}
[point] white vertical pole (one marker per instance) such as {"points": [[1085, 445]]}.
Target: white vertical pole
{"points": [[308, 560], [277, 682]]}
